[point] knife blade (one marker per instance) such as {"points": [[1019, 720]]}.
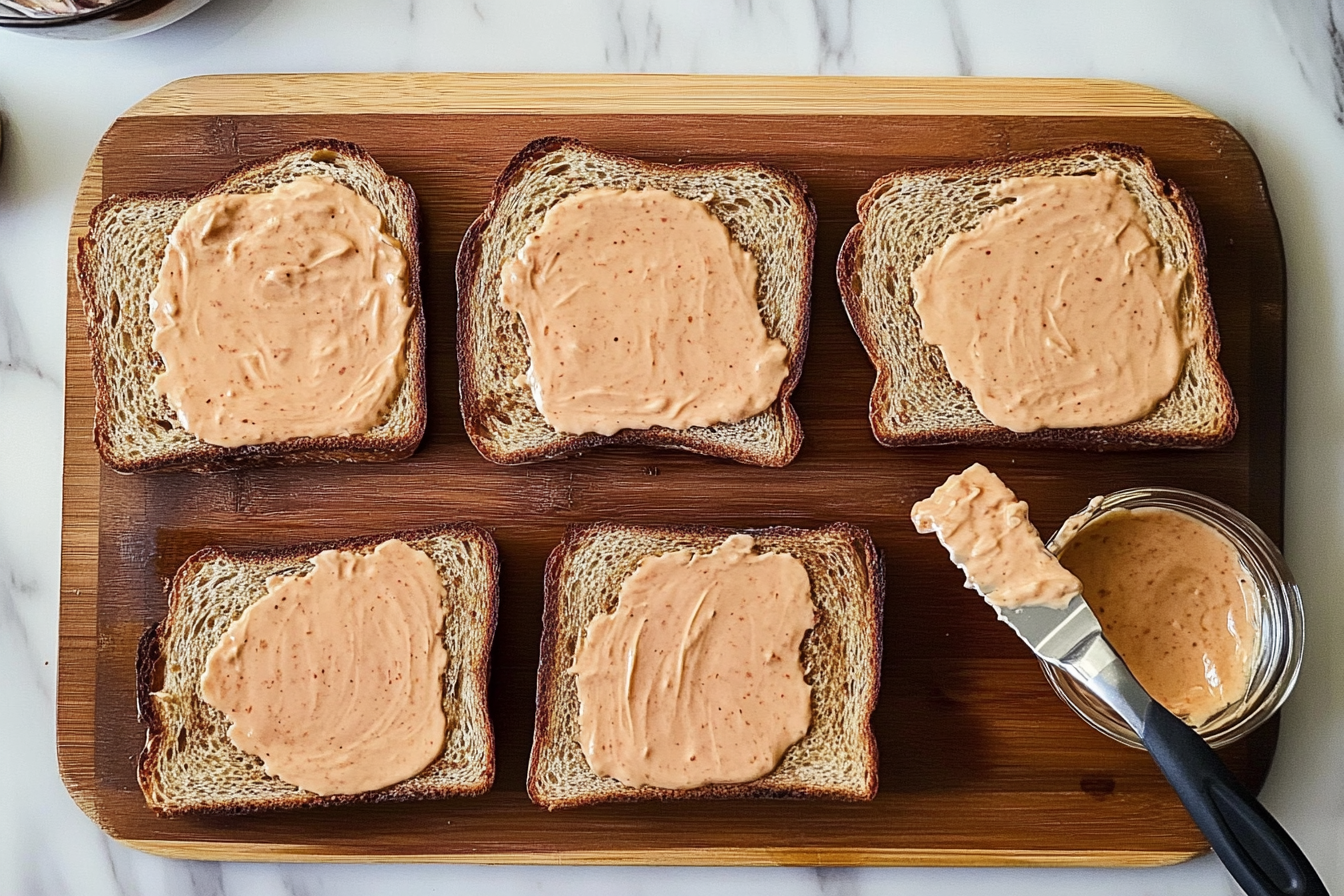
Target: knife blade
{"points": [[1071, 638]]}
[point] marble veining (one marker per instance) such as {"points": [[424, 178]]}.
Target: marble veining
{"points": [[1274, 68], [1315, 31], [1334, 29], [18, 597], [15, 351], [641, 37], [955, 30], [835, 35]]}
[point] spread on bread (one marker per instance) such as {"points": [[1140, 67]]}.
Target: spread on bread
{"points": [[281, 315], [1173, 599], [987, 533], [640, 311], [335, 678], [1056, 309], [695, 677]]}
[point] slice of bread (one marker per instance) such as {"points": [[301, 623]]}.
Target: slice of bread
{"points": [[766, 210], [841, 656], [908, 214], [189, 764], [118, 265]]}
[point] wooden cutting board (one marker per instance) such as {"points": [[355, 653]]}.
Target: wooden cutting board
{"points": [[980, 763]]}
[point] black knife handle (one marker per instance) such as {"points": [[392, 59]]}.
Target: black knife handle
{"points": [[1256, 849]]}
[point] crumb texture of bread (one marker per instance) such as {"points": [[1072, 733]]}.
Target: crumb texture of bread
{"points": [[189, 765], [766, 210], [118, 266], [908, 214], [841, 658]]}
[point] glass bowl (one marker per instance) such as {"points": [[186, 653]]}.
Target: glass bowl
{"points": [[113, 20], [1277, 656]]}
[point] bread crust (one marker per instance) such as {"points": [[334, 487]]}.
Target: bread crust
{"points": [[150, 653], [1139, 434], [553, 666], [699, 440], [205, 457]]}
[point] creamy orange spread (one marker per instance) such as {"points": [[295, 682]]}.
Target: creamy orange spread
{"points": [[1174, 600], [280, 315], [987, 533], [1056, 310], [696, 677], [335, 678], [640, 311]]}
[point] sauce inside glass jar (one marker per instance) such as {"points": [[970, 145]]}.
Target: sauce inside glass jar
{"points": [[1174, 600]]}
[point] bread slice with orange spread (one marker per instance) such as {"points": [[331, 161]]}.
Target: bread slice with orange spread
{"points": [[909, 214], [191, 765], [766, 211], [841, 660], [119, 264]]}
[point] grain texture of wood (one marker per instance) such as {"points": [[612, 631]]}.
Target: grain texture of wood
{"points": [[80, 520], [980, 763], [559, 94]]}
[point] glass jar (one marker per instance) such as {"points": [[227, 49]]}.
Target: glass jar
{"points": [[1277, 656]]}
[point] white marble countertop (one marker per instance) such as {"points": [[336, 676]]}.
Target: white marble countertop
{"points": [[1274, 68]]}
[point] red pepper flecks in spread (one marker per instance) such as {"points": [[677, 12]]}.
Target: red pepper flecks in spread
{"points": [[335, 678], [696, 676], [1056, 309], [281, 315], [1173, 599], [640, 311]]}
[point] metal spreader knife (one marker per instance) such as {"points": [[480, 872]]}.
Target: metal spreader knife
{"points": [[1255, 848]]}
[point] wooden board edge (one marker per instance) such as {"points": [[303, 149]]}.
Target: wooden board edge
{"points": [[896, 857], [78, 629], [573, 94]]}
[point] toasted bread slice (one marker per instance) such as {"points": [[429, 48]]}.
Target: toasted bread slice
{"points": [[767, 211], [908, 214], [189, 765], [118, 265], [841, 656]]}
